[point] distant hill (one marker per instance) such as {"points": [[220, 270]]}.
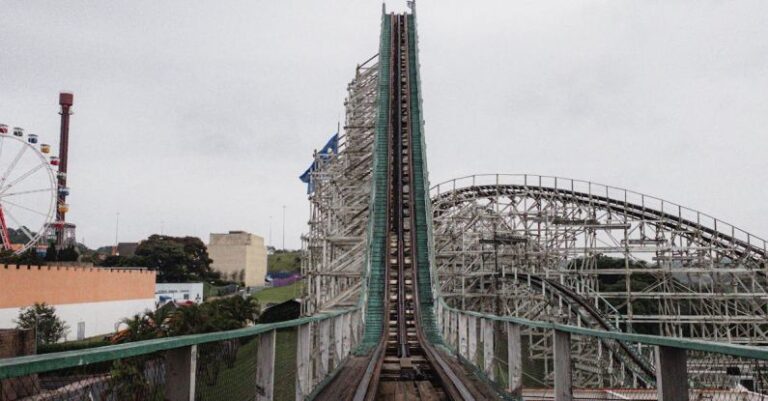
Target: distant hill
{"points": [[284, 261], [18, 236]]}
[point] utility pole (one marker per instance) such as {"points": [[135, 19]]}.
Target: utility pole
{"points": [[283, 227], [117, 228], [270, 231]]}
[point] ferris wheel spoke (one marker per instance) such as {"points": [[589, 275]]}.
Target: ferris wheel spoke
{"points": [[22, 177], [7, 202], [21, 226], [10, 168], [31, 191]]}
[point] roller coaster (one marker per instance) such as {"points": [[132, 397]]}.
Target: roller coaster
{"points": [[490, 286], [535, 247]]}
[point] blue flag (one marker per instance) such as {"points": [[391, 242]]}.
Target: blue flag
{"points": [[330, 148]]}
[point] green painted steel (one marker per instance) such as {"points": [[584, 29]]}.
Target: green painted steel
{"points": [[26, 365], [377, 220], [743, 351], [372, 297], [422, 212]]}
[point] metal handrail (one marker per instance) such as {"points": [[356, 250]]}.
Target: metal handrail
{"points": [[744, 351], [30, 364]]}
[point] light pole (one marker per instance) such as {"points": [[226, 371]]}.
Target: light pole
{"points": [[283, 227], [117, 229]]}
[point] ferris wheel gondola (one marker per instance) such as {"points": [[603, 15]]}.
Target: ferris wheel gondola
{"points": [[28, 189]]}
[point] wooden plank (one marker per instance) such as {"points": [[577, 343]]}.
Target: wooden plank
{"points": [[400, 392], [346, 339], [338, 334], [426, 391], [303, 362], [488, 349], [472, 339], [562, 360], [514, 360], [462, 335], [671, 374], [180, 374], [265, 366], [325, 349]]}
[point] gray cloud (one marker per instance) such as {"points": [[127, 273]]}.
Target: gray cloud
{"points": [[199, 116]]}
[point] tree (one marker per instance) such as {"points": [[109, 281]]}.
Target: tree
{"points": [[176, 259], [68, 254], [28, 257], [42, 317], [51, 255]]}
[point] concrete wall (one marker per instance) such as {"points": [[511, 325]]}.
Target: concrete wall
{"points": [[236, 251], [97, 298], [178, 291], [24, 285], [96, 317]]}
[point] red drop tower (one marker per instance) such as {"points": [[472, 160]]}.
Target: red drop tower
{"points": [[65, 232]]}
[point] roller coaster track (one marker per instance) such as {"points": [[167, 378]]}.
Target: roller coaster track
{"points": [[752, 247], [621, 350], [400, 360]]}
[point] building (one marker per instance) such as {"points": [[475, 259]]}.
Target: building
{"points": [[127, 248], [237, 254], [178, 292], [90, 300]]}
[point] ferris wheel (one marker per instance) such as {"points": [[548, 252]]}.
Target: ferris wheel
{"points": [[28, 190]]}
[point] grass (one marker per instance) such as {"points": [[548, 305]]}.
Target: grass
{"points": [[284, 261], [237, 382], [278, 295], [285, 365], [210, 290]]}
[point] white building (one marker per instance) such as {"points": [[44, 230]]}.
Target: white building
{"points": [[90, 300], [178, 292]]}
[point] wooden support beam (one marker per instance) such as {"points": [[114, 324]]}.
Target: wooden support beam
{"points": [[472, 339], [488, 354], [514, 360], [562, 360], [338, 340], [265, 366], [455, 330], [439, 310], [180, 373], [325, 349], [462, 337], [347, 338], [303, 361], [671, 374]]}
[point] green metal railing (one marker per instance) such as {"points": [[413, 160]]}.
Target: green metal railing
{"points": [[244, 364], [373, 291]]}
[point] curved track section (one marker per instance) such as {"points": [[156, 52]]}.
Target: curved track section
{"points": [[623, 260]]}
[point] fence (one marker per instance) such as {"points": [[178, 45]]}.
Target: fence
{"points": [[289, 360], [502, 350], [278, 361]]}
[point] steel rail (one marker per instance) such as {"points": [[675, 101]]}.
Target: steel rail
{"points": [[402, 242], [724, 240]]}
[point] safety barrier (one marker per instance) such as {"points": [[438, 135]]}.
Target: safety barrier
{"points": [[498, 347], [278, 361]]}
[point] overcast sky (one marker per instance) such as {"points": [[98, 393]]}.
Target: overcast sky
{"points": [[197, 116]]}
